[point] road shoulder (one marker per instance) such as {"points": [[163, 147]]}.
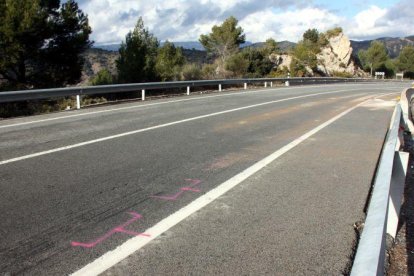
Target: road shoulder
{"points": [[320, 188]]}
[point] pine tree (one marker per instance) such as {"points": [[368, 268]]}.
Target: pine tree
{"points": [[41, 43], [224, 40], [137, 56], [170, 61]]}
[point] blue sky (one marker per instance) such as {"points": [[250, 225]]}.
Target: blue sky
{"points": [[186, 20]]}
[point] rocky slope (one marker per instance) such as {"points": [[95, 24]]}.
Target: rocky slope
{"points": [[96, 60], [336, 58]]}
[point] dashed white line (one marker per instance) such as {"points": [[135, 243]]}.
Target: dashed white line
{"points": [[132, 245]]}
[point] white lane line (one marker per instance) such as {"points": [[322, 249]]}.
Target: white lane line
{"points": [[132, 245], [154, 104], [138, 106], [160, 126]]}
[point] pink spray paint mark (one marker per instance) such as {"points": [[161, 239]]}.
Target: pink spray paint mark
{"points": [[191, 188], [118, 229]]}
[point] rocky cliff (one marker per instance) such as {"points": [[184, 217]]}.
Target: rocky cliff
{"points": [[335, 58]]}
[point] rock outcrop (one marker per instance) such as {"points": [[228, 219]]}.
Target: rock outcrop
{"points": [[283, 60], [337, 57], [333, 59]]}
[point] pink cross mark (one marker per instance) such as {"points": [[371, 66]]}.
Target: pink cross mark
{"points": [[191, 188], [118, 229]]}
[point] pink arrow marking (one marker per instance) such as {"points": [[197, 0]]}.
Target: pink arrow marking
{"points": [[191, 188], [118, 229]]}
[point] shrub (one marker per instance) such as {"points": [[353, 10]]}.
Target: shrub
{"points": [[192, 71], [340, 74], [333, 32], [237, 64], [103, 77], [209, 71]]}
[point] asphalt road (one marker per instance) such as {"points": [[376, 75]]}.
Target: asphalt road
{"points": [[76, 185]]}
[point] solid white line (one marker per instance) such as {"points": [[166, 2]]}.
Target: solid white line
{"points": [[138, 106], [154, 104], [159, 126], [132, 245]]}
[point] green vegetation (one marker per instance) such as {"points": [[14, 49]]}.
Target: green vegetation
{"points": [[405, 61], [224, 44], [191, 71], [305, 61], [41, 43], [259, 64], [376, 59], [333, 32], [237, 64], [224, 40], [103, 77], [137, 56], [209, 71], [305, 54], [340, 74], [270, 46], [311, 36], [169, 62]]}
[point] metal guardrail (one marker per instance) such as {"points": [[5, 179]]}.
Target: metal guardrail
{"points": [[36, 94], [385, 202]]}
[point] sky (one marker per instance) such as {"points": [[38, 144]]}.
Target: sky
{"points": [[186, 20]]}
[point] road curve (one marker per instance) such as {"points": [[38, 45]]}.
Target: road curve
{"points": [[77, 185]]}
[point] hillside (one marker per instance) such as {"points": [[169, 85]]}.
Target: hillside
{"points": [[104, 56], [394, 45], [284, 46], [96, 60]]}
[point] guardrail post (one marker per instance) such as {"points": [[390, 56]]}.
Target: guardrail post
{"points": [[78, 104], [287, 82], [143, 94], [188, 90], [220, 88], [265, 84], [245, 86], [271, 84]]}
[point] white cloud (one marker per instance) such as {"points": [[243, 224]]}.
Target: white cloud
{"points": [[375, 22], [288, 25], [364, 24], [174, 20], [185, 20]]}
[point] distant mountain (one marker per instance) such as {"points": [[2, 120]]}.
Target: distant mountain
{"points": [[284, 46], [195, 45], [108, 47], [394, 45]]}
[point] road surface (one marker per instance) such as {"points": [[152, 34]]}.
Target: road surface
{"points": [[76, 185]]}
